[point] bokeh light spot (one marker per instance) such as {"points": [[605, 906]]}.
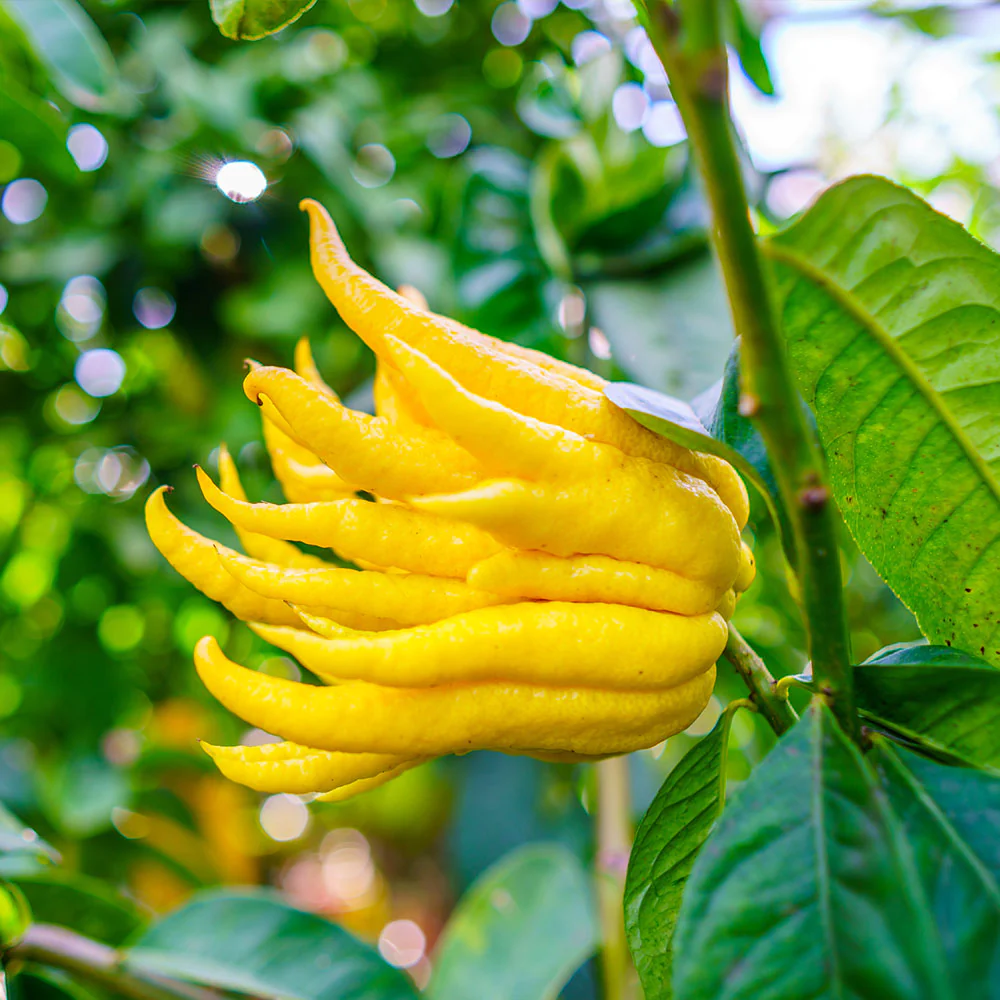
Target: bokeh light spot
{"points": [[449, 137], [10, 696], [402, 943], [121, 628], [87, 146], [241, 181], [434, 8], [71, 406], [23, 201], [589, 45], [629, 106], [100, 372], [10, 161], [374, 166], [284, 817], [502, 67], [510, 24], [537, 9], [153, 308], [663, 125]]}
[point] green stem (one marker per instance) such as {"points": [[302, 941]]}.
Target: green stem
{"points": [[687, 36], [96, 963], [763, 690], [614, 844]]}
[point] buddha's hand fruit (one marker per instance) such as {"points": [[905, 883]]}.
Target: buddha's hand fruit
{"points": [[539, 574]]}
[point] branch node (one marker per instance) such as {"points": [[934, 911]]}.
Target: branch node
{"points": [[814, 498]]}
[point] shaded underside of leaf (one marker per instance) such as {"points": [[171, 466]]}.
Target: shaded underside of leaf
{"points": [[666, 844], [892, 318], [806, 888], [250, 20]]}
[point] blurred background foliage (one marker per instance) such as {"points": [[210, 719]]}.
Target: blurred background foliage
{"points": [[523, 165]]}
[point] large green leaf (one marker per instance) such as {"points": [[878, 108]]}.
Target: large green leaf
{"points": [[252, 942], [520, 931], [942, 700], [69, 44], [950, 817], [807, 887], [666, 844], [38, 131], [891, 313], [250, 20]]}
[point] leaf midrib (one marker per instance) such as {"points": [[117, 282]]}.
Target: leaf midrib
{"points": [[850, 304]]}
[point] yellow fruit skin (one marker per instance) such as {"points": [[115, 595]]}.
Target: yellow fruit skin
{"points": [[367, 784], [379, 534], [305, 367], [727, 604], [514, 378], [748, 569], [196, 559], [408, 599], [369, 718], [261, 546], [370, 453], [553, 644], [303, 477], [686, 530], [516, 573], [297, 770]]}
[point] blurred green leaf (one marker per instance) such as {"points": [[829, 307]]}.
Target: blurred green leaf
{"points": [[15, 915], [252, 942], [890, 311], [86, 905], [21, 849], [78, 794], [745, 40], [807, 888], [38, 131], [69, 44], [667, 842], [520, 931], [949, 817], [672, 332], [249, 20]]}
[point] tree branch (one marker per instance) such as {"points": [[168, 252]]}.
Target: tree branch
{"points": [[687, 36], [763, 691]]}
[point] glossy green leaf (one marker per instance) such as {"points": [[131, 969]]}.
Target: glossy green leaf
{"points": [[807, 888], [950, 817], [21, 849], [520, 931], [249, 20], [667, 842], [38, 132], [745, 39], [69, 44], [890, 312], [922, 653], [252, 942]]}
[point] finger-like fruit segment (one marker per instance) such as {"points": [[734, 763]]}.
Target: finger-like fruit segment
{"points": [[303, 477], [748, 569], [305, 367], [369, 718], [513, 378], [664, 519], [380, 534], [261, 546], [367, 784], [196, 558], [516, 573], [299, 770], [407, 598], [368, 452], [553, 644], [395, 401]]}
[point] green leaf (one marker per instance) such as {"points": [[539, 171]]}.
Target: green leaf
{"points": [[942, 701], [21, 849], [950, 817], [667, 842], [672, 331], [15, 915], [746, 43], [68, 43], [38, 131], [711, 423], [252, 942], [83, 904], [520, 931], [891, 312], [807, 888], [249, 20]]}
